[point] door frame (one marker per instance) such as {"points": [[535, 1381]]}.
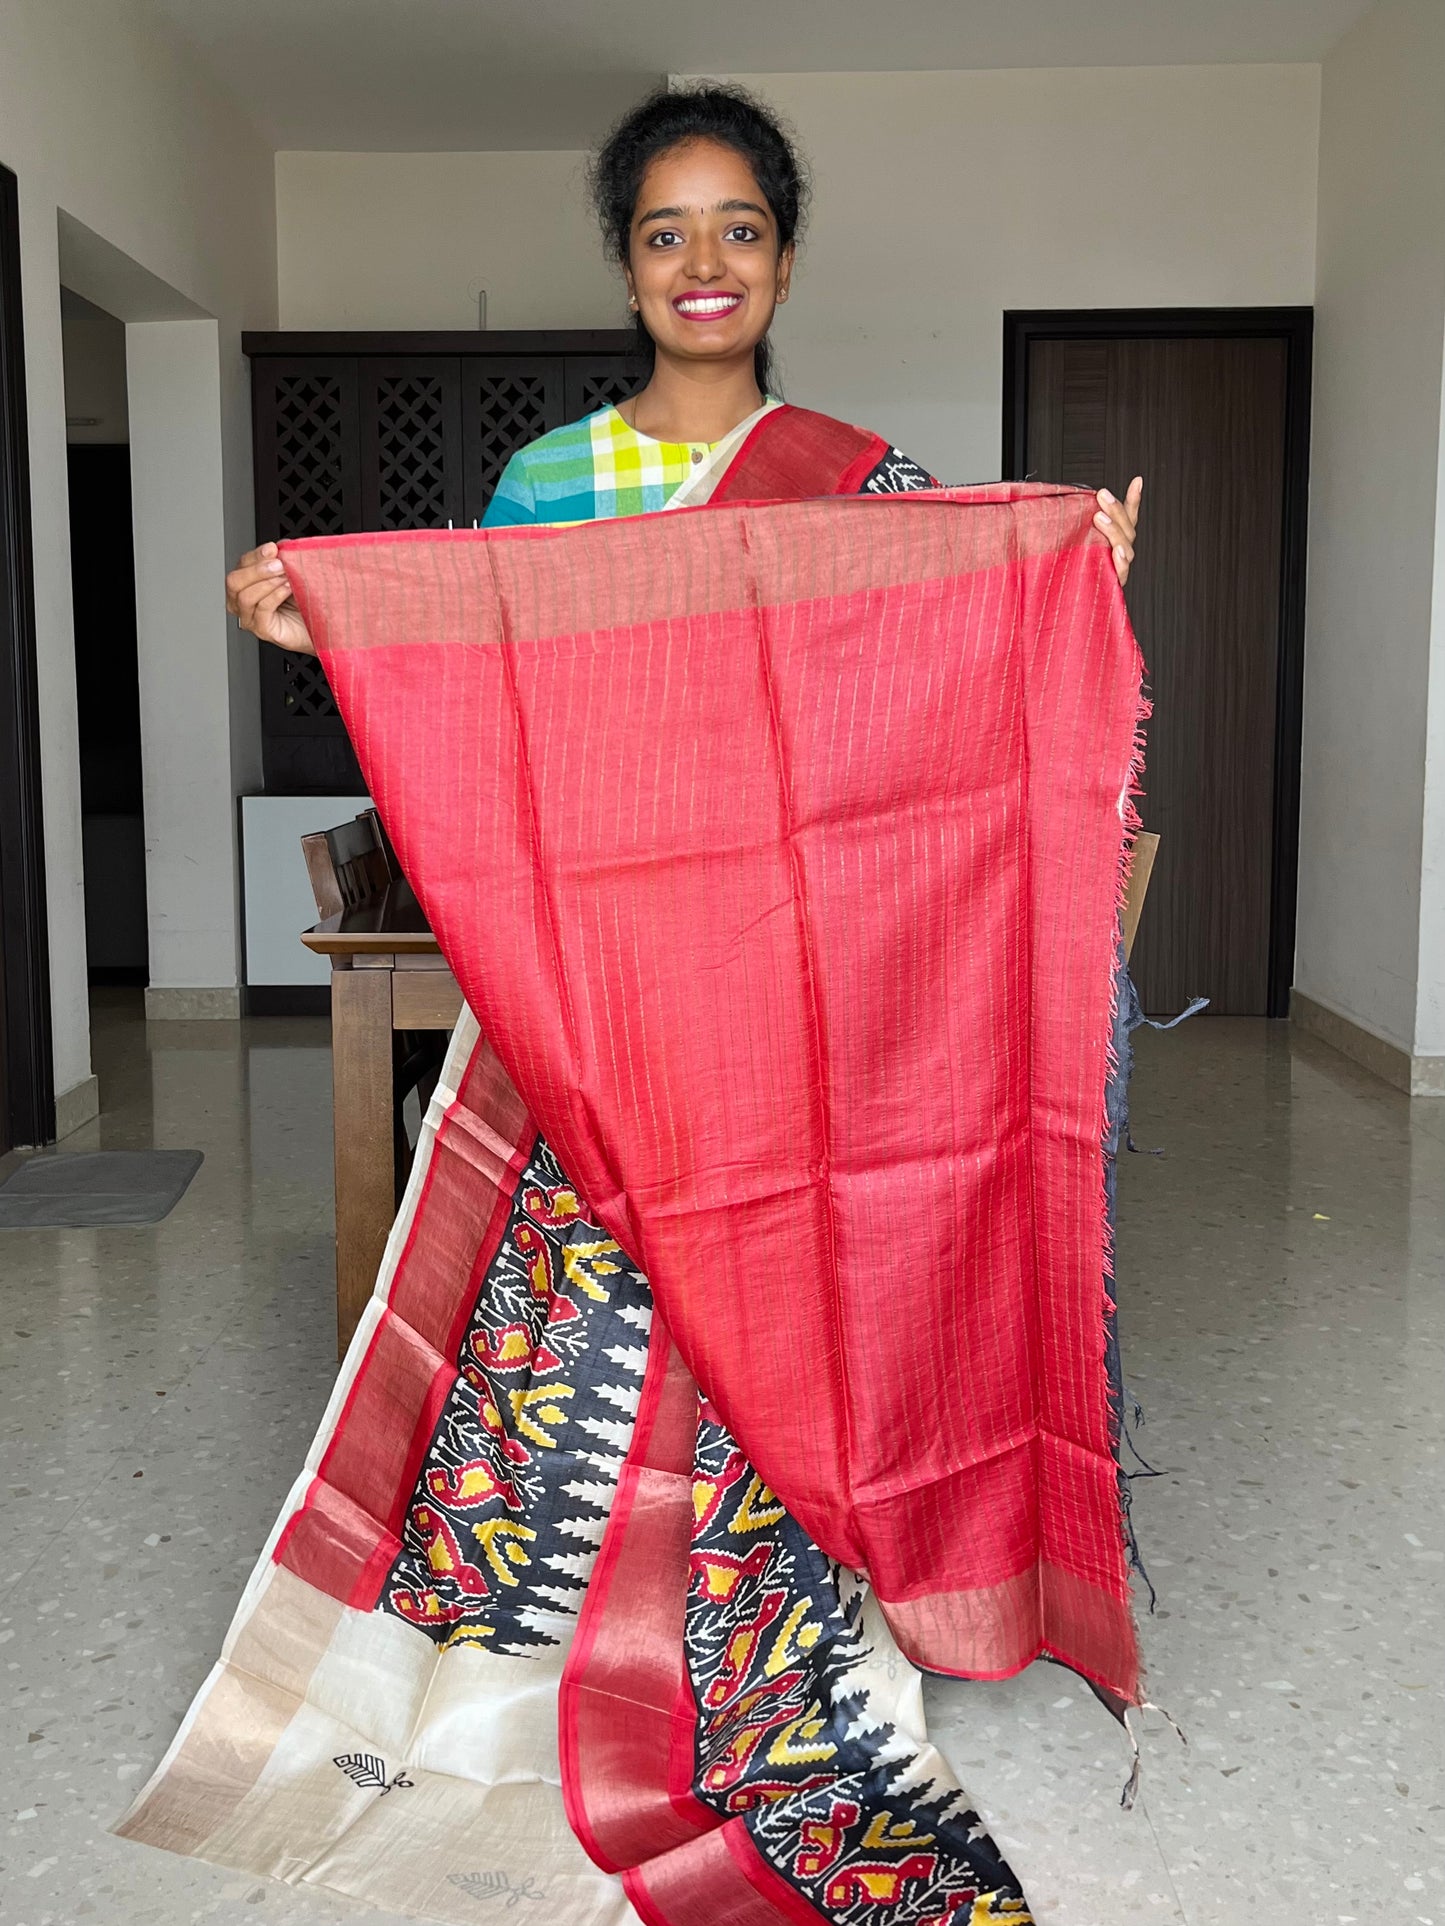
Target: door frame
{"points": [[29, 1075], [1295, 327]]}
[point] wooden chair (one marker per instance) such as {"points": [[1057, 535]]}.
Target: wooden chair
{"points": [[349, 867], [1146, 848]]}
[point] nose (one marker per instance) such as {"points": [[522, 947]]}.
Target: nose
{"points": [[705, 261]]}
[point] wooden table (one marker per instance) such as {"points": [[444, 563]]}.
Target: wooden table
{"points": [[387, 974]]}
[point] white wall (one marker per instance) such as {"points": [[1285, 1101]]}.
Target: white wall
{"points": [[105, 120], [407, 240], [186, 751], [941, 199], [1371, 947]]}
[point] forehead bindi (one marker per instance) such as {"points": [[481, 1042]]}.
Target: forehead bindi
{"points": [[698, 179]]}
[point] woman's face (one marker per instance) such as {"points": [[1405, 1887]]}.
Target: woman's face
{"points": [[703, 263]]}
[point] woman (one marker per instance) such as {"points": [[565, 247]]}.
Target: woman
{"points": [[804, 1748], [702, 201]]}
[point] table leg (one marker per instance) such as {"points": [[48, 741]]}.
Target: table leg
{"points": [[361, 1079]]}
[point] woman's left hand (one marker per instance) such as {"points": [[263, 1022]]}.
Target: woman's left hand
{"points": [[1119, 520]]}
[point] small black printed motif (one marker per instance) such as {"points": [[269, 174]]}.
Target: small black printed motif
{"points": [[898, 474], [367, 1771], [495, 1885]]}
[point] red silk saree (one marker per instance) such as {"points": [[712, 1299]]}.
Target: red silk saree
{"points": [[757, 1247]]}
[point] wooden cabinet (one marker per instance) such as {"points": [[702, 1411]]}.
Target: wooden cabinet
{"points": [[364, 431]]}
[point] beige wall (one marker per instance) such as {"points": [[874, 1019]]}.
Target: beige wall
{"points": [[1372, 892], [407, 240], [941, 199], [108, 123]]}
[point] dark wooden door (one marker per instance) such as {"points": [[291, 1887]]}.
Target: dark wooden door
{"points": [[1203, 418]]}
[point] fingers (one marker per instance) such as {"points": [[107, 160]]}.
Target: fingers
{"points": [[259, 601], [1119, 521], [256, 569], [1118, 526]]}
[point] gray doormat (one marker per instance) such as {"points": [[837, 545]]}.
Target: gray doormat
{"points": [[87, 1189]]}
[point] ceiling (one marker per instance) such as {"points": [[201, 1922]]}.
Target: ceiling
{"points": [[418, 75]]}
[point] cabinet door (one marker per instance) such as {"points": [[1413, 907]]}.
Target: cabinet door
{"points": [[507, 401], [307, 446], [599, 380], [411, 441]]}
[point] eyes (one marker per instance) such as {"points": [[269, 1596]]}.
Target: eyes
{"points": [[740, 233]]}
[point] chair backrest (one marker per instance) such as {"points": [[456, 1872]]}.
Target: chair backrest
{"points": [[1141, 867], [348, 865]]}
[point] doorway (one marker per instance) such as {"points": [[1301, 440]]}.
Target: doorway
{"points": [[1211, 406], [107, 675], [27, 1087]]}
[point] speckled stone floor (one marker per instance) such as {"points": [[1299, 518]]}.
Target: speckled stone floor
{"points": [[1283, 1301]]}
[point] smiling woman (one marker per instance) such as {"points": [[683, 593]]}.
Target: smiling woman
{"points": [[739, 1727]]}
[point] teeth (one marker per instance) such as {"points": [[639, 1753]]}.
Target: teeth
{"points": [[708, 303]]}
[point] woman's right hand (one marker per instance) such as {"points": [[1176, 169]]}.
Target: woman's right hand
{"points": [[258, 594]]}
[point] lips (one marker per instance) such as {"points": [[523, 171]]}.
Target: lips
{"points": [[706, 307]]}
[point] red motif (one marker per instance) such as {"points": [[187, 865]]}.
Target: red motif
{"points": [[739, 1651], [748, 1733], [879, 1885], [538, 1255], [715, 1576], [491, 1417], [509, 1349], [954, 1904], [473, 1483], [554, 1206], [823, 1839], [763, 1792], [424, 1607], [708, 1493], [444, 1554]]}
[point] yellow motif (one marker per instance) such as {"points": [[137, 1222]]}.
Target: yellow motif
{"points": [[574, 1258], [798, 1742], [514, 1347], [502, 1556], [533, 1407], [988, 1909], [704, 1490], [880, 1883], [468, 1635], [759, 1508], [881, 1835], [788, 1635]]}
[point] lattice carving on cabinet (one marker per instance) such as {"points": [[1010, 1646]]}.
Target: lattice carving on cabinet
{"points": [[305, 693], [308, 455], [411, 451], [511, 411], [606, 389]]}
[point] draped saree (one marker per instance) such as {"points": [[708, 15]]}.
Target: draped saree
{"points": [[742, 1332]]}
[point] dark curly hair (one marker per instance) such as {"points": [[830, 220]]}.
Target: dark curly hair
{"points": [[667, 119]]}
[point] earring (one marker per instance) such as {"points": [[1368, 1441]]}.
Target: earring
{"points": [[632, 303], [782, 294]]}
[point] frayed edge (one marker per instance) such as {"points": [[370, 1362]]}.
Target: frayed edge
{"points": [[1132, 823], [1131, 1787]]}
